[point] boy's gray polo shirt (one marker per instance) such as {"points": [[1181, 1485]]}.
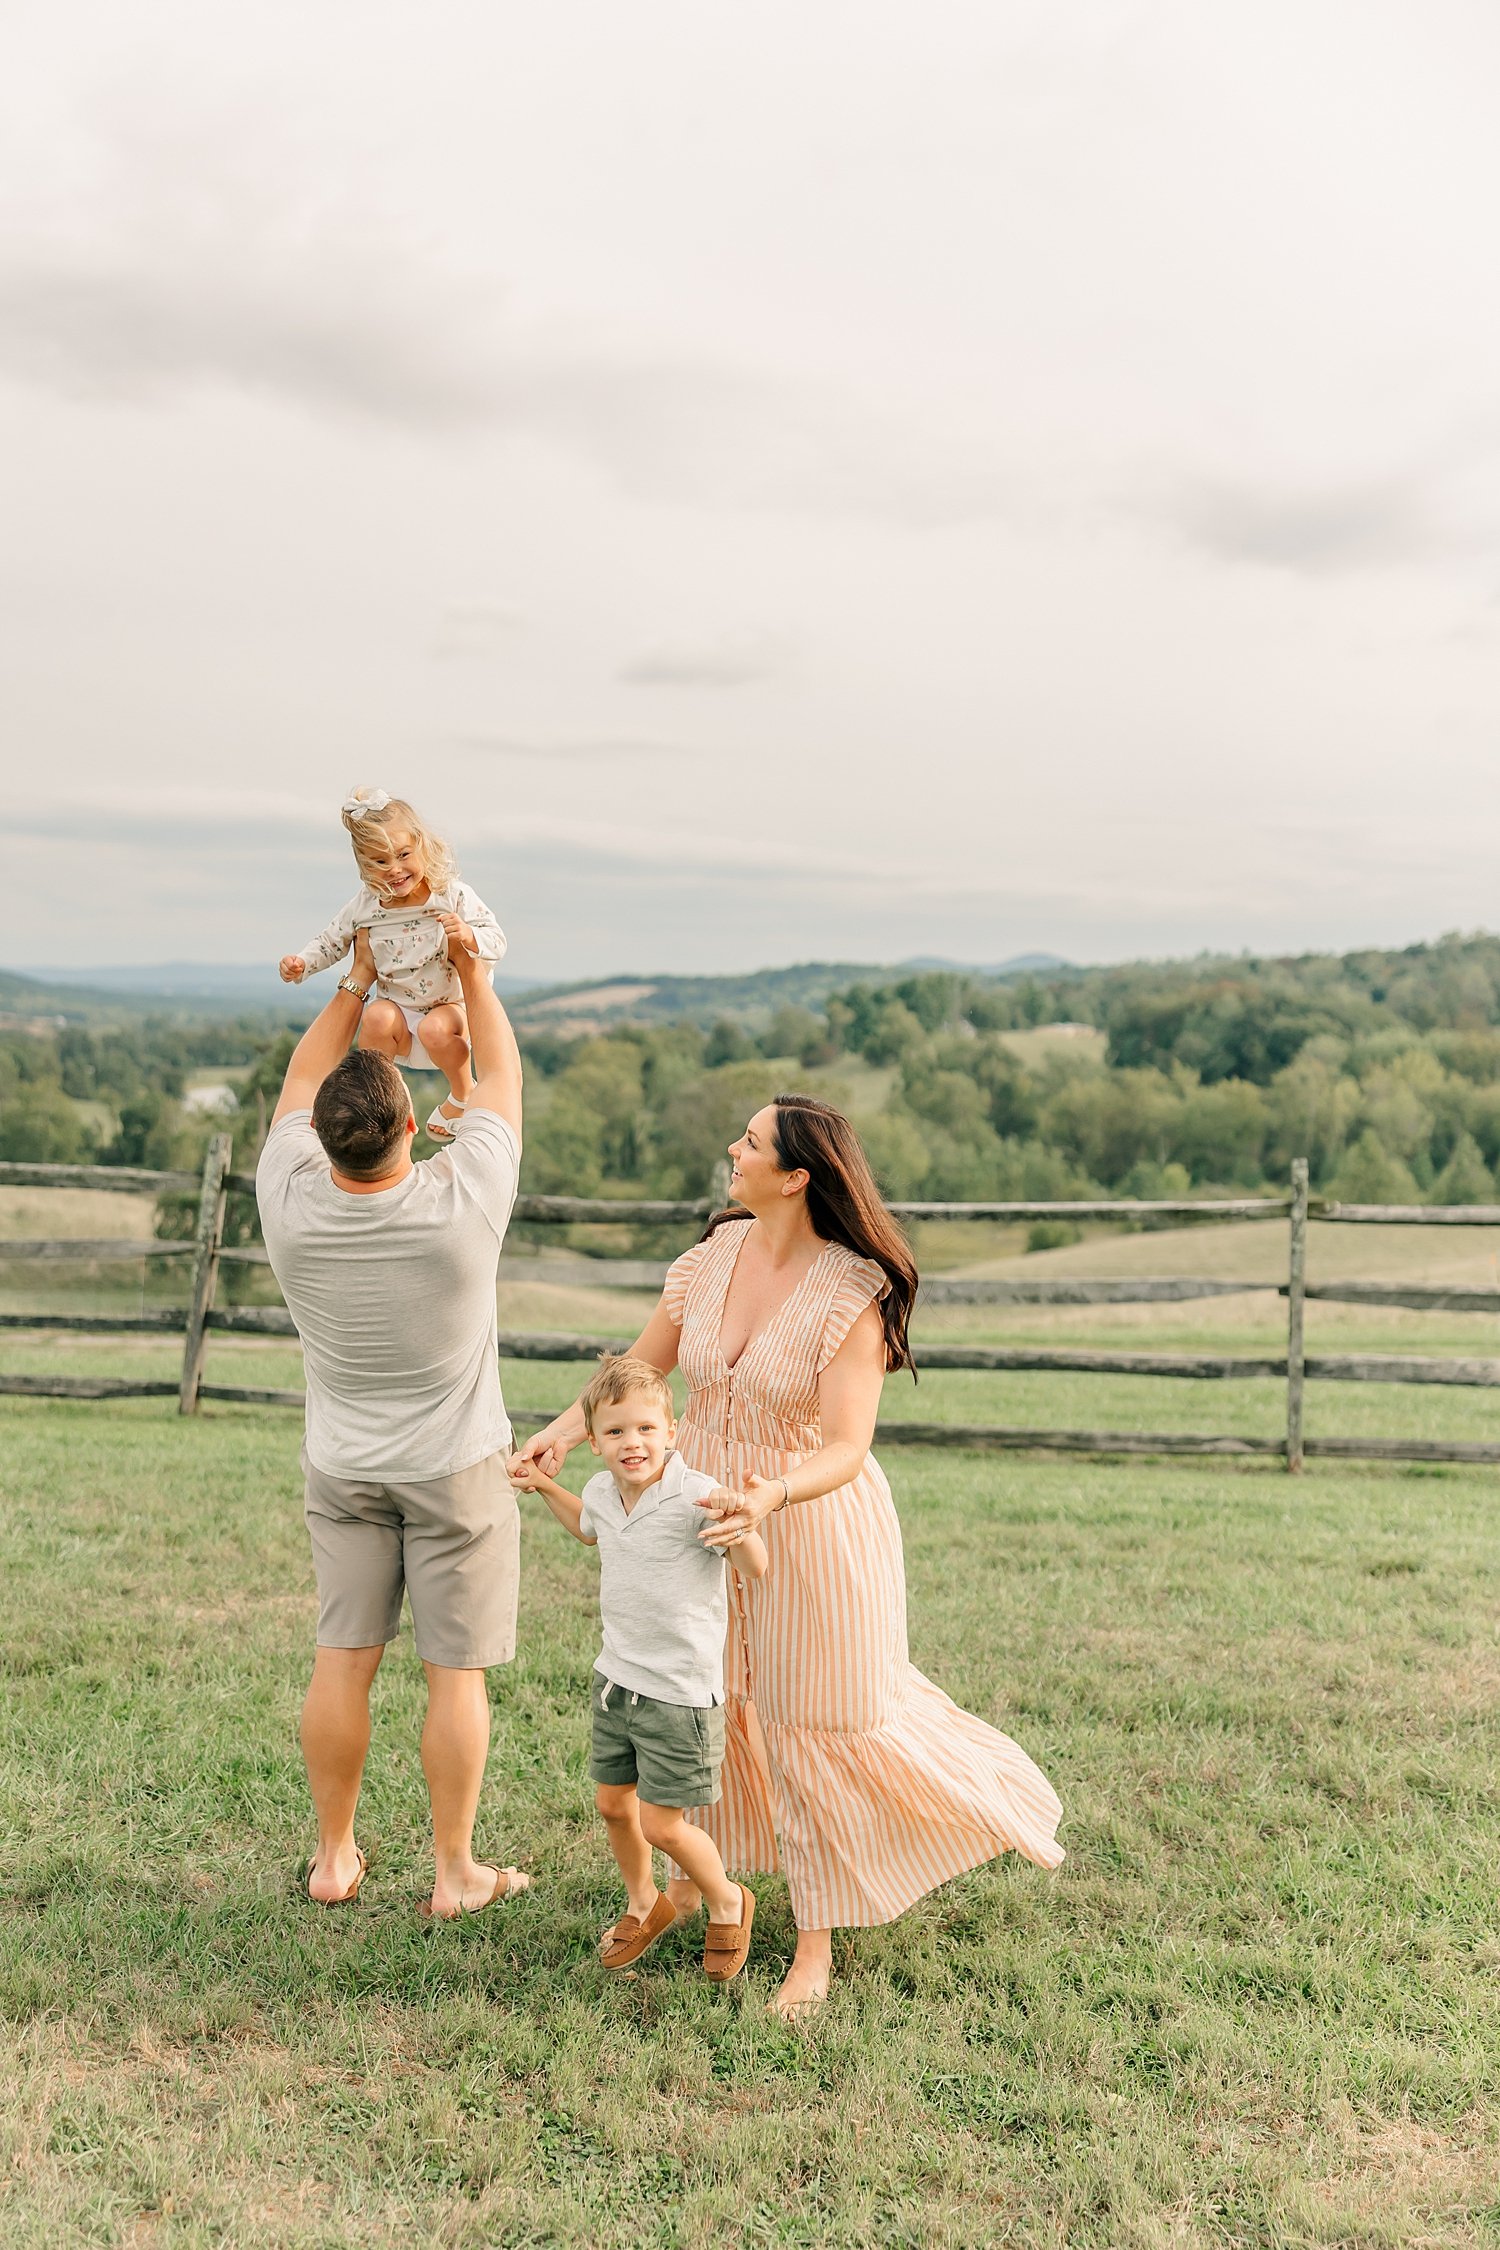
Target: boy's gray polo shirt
{"points": [[662, 1593]]}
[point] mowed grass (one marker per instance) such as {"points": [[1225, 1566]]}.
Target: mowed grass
{"points": [[1258, 2005]]}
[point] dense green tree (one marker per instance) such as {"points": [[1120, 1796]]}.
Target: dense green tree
{"points": [[606, 1076], [1368, 1173], [1481, 1119], [563, 1147], [945, 1097], [895, 1033], [797, 1034], [728, 1043], [1311, 1108], [1222, 1029], [1474, 1055], [1108, 1122], [40, 1125], [1219, 1132], [991, 1007], [934, 998], [898, 1154], [673, 1058], [1465, 1178], [703, 1116]]}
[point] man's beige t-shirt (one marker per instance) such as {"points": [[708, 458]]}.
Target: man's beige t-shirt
{"points": [[394, 1298]]}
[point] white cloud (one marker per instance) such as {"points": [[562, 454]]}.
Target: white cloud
{"points": [[1100, 403], [731, 660], [475, 629], [153, 290]]}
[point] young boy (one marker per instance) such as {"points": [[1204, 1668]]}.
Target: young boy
{"points": [[657, 1689]]}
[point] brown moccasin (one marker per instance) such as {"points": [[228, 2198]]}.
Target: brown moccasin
{"points": [[726, 1945], [632, 1936]]}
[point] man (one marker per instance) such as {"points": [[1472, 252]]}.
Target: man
{"points": [[389, 1271]]}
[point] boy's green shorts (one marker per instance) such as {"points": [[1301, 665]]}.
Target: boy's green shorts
{"points": [[671, 1752]]}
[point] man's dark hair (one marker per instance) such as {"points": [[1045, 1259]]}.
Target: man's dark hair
{"points": [[360, 1114]]}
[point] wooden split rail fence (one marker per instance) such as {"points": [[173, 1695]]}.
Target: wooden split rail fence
{"points": [[207, 1254]]}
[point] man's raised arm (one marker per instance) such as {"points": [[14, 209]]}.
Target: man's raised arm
{"points": [[327, 1038], [496, 1057]]}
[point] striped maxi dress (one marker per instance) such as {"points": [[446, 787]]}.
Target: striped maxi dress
{"points": [[879, 1786]]}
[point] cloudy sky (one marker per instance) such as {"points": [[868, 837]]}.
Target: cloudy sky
{"points": [[831, 479]]}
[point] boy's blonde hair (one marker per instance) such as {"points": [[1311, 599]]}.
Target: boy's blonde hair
{"points": [[618, 1376], [370, 815]]}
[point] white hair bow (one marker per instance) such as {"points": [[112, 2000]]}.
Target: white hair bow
{"points": [[365, 804]]}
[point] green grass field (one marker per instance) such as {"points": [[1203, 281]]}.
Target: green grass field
{"points": [[1258, 2005]]}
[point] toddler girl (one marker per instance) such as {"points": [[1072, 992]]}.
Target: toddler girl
{"points": [[418, 915]]}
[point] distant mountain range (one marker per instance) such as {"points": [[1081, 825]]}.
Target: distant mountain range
{"points": [[749, 1000], [194, 989]]}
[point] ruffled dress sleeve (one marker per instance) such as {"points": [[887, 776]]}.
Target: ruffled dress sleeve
{"points": [[860, 1282], [680, 1275]]}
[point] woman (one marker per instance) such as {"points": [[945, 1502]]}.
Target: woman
{"points": [[784, 1320]]}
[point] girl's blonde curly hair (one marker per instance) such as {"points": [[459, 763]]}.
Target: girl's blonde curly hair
{"points": [[370, 833]]}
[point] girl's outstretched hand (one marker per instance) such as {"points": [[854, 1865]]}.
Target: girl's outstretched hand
{"points": [[292, 967]]}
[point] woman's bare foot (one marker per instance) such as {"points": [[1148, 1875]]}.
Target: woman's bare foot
{"points": [[805, 1987]]}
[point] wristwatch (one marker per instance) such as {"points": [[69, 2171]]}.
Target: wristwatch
{"points": [[347, 984]]}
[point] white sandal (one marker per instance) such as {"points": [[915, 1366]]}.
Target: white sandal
{"points": [[439, 1126]]}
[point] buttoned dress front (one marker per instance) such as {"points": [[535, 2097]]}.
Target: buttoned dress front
{"points": [[877, 1784]]}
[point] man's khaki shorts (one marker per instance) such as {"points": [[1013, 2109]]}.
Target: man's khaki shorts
{"points": [[453, 1544]]}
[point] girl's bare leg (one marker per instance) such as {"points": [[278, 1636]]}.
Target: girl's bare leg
{"points": [[445, 1035], [382, 1030]]}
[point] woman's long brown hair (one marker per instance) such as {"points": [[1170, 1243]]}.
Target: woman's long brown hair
{"points": [[844, 1205]]}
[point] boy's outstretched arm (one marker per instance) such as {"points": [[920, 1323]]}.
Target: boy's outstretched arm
{"points": [[749, 1555], [565, 1505]]}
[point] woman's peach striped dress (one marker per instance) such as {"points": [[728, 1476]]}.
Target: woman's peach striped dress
{"points": [[879, 1786]]}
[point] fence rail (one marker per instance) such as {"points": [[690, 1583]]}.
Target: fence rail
{"points": [[200, 1318]]}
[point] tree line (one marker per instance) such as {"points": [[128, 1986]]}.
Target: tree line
{"points": [[1382, 1068]]}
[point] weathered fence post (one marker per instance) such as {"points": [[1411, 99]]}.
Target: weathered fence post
{"points": [[718, 1184], [206, 1241], [1295, 1296]]}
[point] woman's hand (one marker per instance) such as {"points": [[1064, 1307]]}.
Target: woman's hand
{"points": [[292, 968], [547, 1452], [736, 1513], [362, 967]]}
